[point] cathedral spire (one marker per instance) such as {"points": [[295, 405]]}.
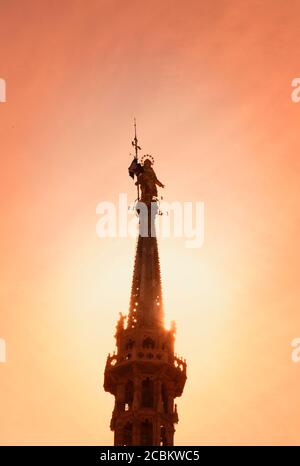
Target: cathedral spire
{"points": [[144, 375], [146, 307]]}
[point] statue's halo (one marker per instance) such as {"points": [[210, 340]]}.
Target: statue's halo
{"points": [[145, 157]]}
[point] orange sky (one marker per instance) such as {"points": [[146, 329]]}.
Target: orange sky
{"points": [[210, 85]]}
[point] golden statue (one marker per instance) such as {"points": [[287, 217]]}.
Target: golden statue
{"points": [[148, 182]]}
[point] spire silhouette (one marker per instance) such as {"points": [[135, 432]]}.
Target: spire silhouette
{"points": [[144, 374]]}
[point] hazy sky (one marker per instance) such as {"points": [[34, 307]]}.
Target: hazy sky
{"points": [[210, 84]]}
